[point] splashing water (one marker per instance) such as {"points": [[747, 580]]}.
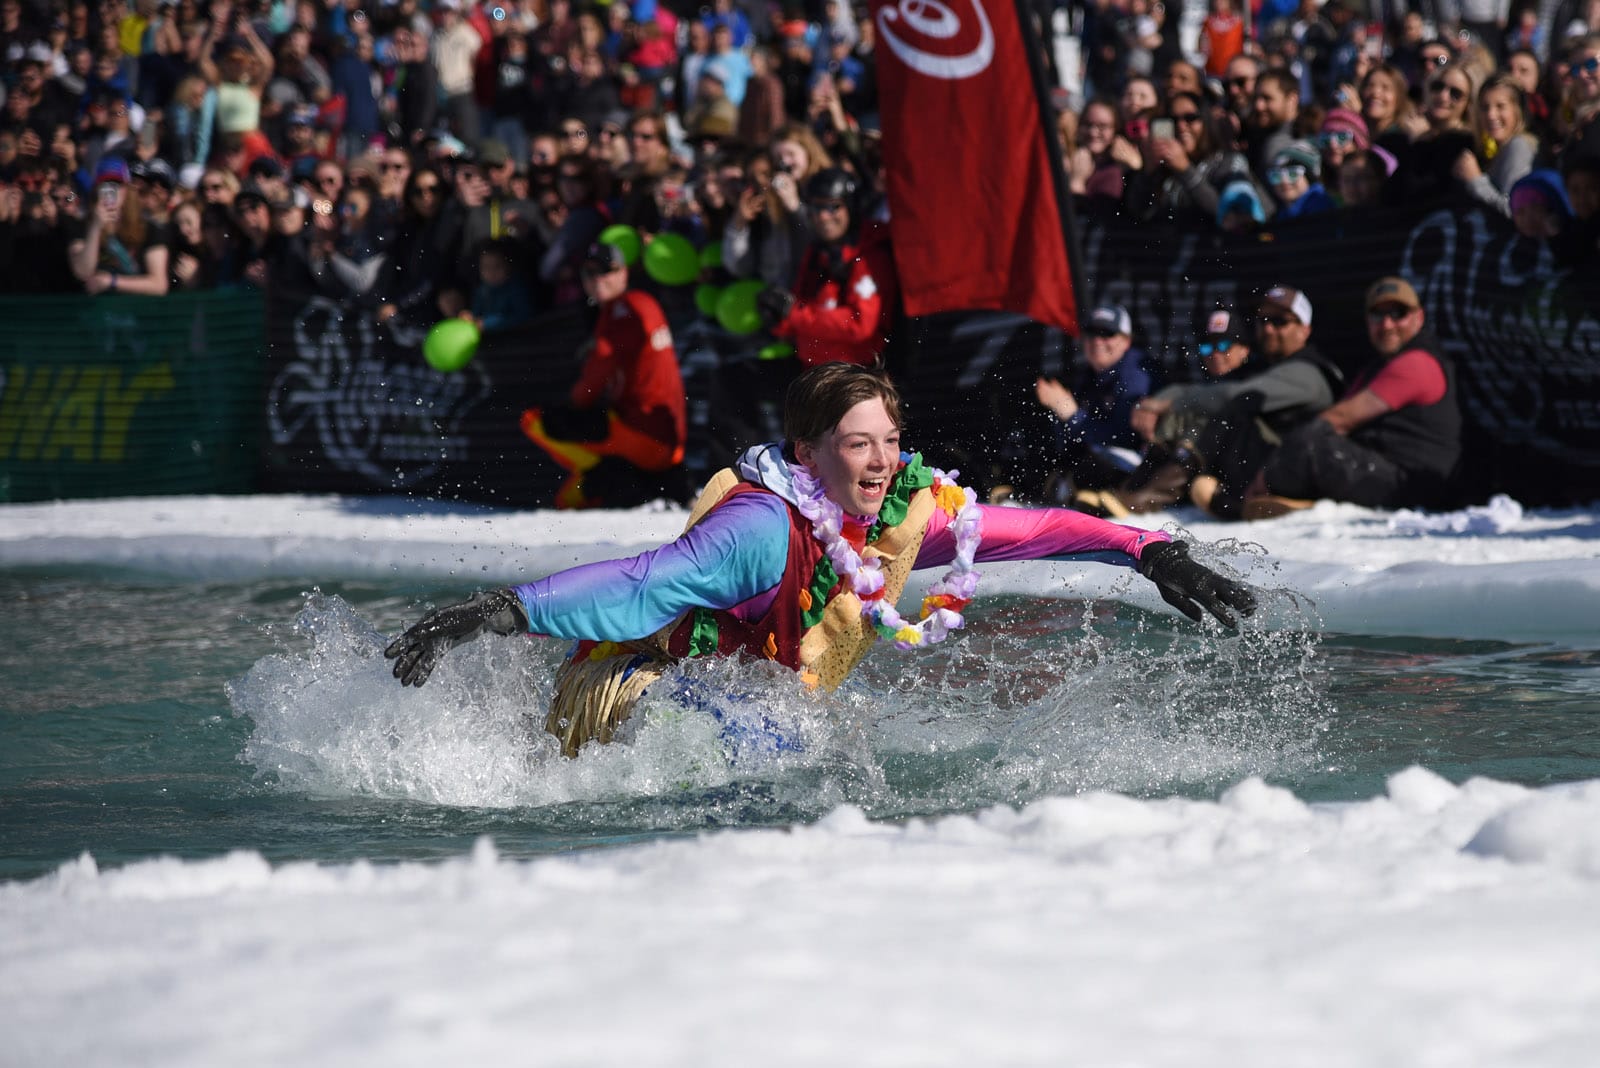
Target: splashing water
{"points": [[1038, 696]]}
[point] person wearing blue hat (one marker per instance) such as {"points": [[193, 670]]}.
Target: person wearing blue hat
{"points": [[121, 250]]}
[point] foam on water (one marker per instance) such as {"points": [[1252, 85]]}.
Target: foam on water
{"points": [[1037, 697]]}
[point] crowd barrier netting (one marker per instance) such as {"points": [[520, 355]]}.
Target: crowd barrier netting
{"points": [[188, 394]]}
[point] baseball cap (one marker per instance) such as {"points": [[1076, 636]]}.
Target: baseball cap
{"points": [[1392, 290], [112, 169], [492, 152], [602, 259], [1290, 300], [1109, 319], [250, 194], [158, 171], [1222, 324]]}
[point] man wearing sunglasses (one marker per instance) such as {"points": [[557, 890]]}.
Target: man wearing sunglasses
{"points": [[1394, 438], [842, 304]]}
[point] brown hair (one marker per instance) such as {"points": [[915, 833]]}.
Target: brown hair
{"points": [[824, 394]]}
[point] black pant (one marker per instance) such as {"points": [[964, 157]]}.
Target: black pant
{"points": [[1317, 462]]}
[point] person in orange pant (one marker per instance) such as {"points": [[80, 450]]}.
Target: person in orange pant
{"points": [[621, 434]]}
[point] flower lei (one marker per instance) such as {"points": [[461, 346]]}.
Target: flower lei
{"points": [[941, 609]]}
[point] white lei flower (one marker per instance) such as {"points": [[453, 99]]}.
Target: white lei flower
{"points": [[941, 609]]}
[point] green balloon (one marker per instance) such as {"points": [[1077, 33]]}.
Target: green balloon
{"points": [[450, 345], [625, 238], [705, 298], [671, 260], [711, 256], [778, 350], [736, 308]]}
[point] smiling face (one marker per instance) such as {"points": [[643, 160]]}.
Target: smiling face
{"points": [[856, 459], [1502, 113], [1446, 99]]}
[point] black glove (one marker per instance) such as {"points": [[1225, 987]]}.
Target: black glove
{"points": [[416, 652], [1183, 582], [774, 306]]}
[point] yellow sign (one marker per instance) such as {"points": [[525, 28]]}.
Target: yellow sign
{"points": [[82, 413]]}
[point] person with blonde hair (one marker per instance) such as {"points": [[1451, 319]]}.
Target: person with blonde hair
{"points": [[766, 235], [1506, 146]]}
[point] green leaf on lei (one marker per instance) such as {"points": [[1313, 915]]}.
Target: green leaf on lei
{"points": [[907, 481]]}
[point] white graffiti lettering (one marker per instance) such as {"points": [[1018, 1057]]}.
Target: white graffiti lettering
{"points": [[393, 424], [938, 22]]}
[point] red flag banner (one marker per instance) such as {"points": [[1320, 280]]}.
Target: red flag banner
{"points": [[973, 203]]}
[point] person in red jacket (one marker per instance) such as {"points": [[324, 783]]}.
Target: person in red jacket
{"points": [[621, 435], [842, 305]]}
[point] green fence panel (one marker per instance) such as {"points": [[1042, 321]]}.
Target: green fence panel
{"points": [[130, 396]]}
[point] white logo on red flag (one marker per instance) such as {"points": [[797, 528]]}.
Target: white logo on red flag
{"points": [[938, 22]]}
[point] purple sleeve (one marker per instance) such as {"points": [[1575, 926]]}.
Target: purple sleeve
{"points": [[1036, 534], [734, 554]]}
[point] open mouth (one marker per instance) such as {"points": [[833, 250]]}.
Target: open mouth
{"points": [[871, 487]]}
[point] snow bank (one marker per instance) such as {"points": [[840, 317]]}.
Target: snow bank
{"points": [[1435, 924]]}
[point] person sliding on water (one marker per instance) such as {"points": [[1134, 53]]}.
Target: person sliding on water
{"points": [[798, 556]]}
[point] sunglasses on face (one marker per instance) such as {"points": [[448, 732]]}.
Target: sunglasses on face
{"points": [[575, 133], [1450, 91], [1292, 172], [432, 189], [1336, 139], [1279, 321], [1207, 348], [1186, 116], [1389, 314], [1239, 83], [1584, 66]]}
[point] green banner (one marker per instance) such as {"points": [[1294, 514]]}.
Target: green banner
{"points": [[128, 396]]}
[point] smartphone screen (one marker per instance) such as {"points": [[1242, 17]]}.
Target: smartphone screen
{"points": [[1162, 130]]}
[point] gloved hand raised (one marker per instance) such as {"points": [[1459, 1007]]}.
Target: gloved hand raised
{"points": [[774, 305], [416, 652], [1183, 582]]}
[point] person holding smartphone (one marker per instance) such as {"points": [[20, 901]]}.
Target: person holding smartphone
{"points": [[121, 250]]}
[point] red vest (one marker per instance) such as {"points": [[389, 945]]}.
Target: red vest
{"points": [[776, 635]]}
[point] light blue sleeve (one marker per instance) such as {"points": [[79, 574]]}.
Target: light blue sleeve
{"points": [[733, 554]]}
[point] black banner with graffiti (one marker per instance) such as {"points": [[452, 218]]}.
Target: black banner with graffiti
{"points": [[351, 407]]}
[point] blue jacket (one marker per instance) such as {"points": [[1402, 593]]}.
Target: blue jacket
{"points": [[1105, 402]]}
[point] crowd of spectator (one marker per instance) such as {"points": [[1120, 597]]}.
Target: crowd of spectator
{"points": [[148, 145], [424, 159]]}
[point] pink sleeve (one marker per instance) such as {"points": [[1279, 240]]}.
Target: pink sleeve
{"points": [[1034, 534], [1413, 378]]}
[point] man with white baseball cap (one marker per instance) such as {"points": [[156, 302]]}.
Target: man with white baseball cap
{"points": [[1394, 438]]}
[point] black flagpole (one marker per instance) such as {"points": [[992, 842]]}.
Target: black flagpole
{"points": [[1034, 48]]}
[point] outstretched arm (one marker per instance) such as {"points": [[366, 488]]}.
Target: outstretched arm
{"points": [[1057, 533], [737, 552]]}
